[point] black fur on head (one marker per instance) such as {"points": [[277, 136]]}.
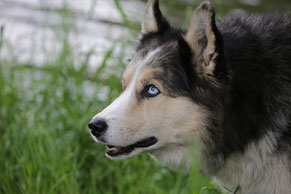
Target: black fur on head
{"points": [[187, 60], [241, 73]]}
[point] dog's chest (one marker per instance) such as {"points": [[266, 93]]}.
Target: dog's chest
{"points": [[257, 170]]}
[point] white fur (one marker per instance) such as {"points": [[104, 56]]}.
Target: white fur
{"points": [[257, 170], [113, 114], [173, 156], [149, 22]]}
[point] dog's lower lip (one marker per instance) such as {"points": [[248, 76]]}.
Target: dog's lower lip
{"points": [[116, 150]]}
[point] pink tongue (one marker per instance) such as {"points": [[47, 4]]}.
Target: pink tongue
{"points": [[113, 149]]}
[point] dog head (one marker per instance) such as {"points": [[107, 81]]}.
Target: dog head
{"points": [[167, 87]]}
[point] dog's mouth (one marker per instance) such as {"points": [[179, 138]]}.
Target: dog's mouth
{"points": [[115, 151]]}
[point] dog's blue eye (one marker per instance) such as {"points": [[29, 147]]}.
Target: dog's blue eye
{"points": [[152, 91]]}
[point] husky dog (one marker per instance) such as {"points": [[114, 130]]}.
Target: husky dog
{"points": [[226, 82]]}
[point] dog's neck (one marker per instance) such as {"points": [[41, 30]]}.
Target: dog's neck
{"points": [[173, 156]]}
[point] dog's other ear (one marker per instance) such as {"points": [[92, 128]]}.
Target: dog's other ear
{"points": [[153, 19], [204, 39]]}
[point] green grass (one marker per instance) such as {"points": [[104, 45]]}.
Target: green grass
{"points": [[45, 146]]}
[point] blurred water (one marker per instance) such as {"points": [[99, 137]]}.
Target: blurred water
{"points": [[34, 28]]}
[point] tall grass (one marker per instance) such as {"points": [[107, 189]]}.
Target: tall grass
{"points": [[45, 146]]}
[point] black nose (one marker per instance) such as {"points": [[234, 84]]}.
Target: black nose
{"points": [[97, 126]]}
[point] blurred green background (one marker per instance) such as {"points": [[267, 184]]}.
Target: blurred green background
{"points": [[60, 63]]}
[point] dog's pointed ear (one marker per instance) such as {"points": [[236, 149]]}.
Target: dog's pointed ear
{"points": [[204, 39], [153, 19]]}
